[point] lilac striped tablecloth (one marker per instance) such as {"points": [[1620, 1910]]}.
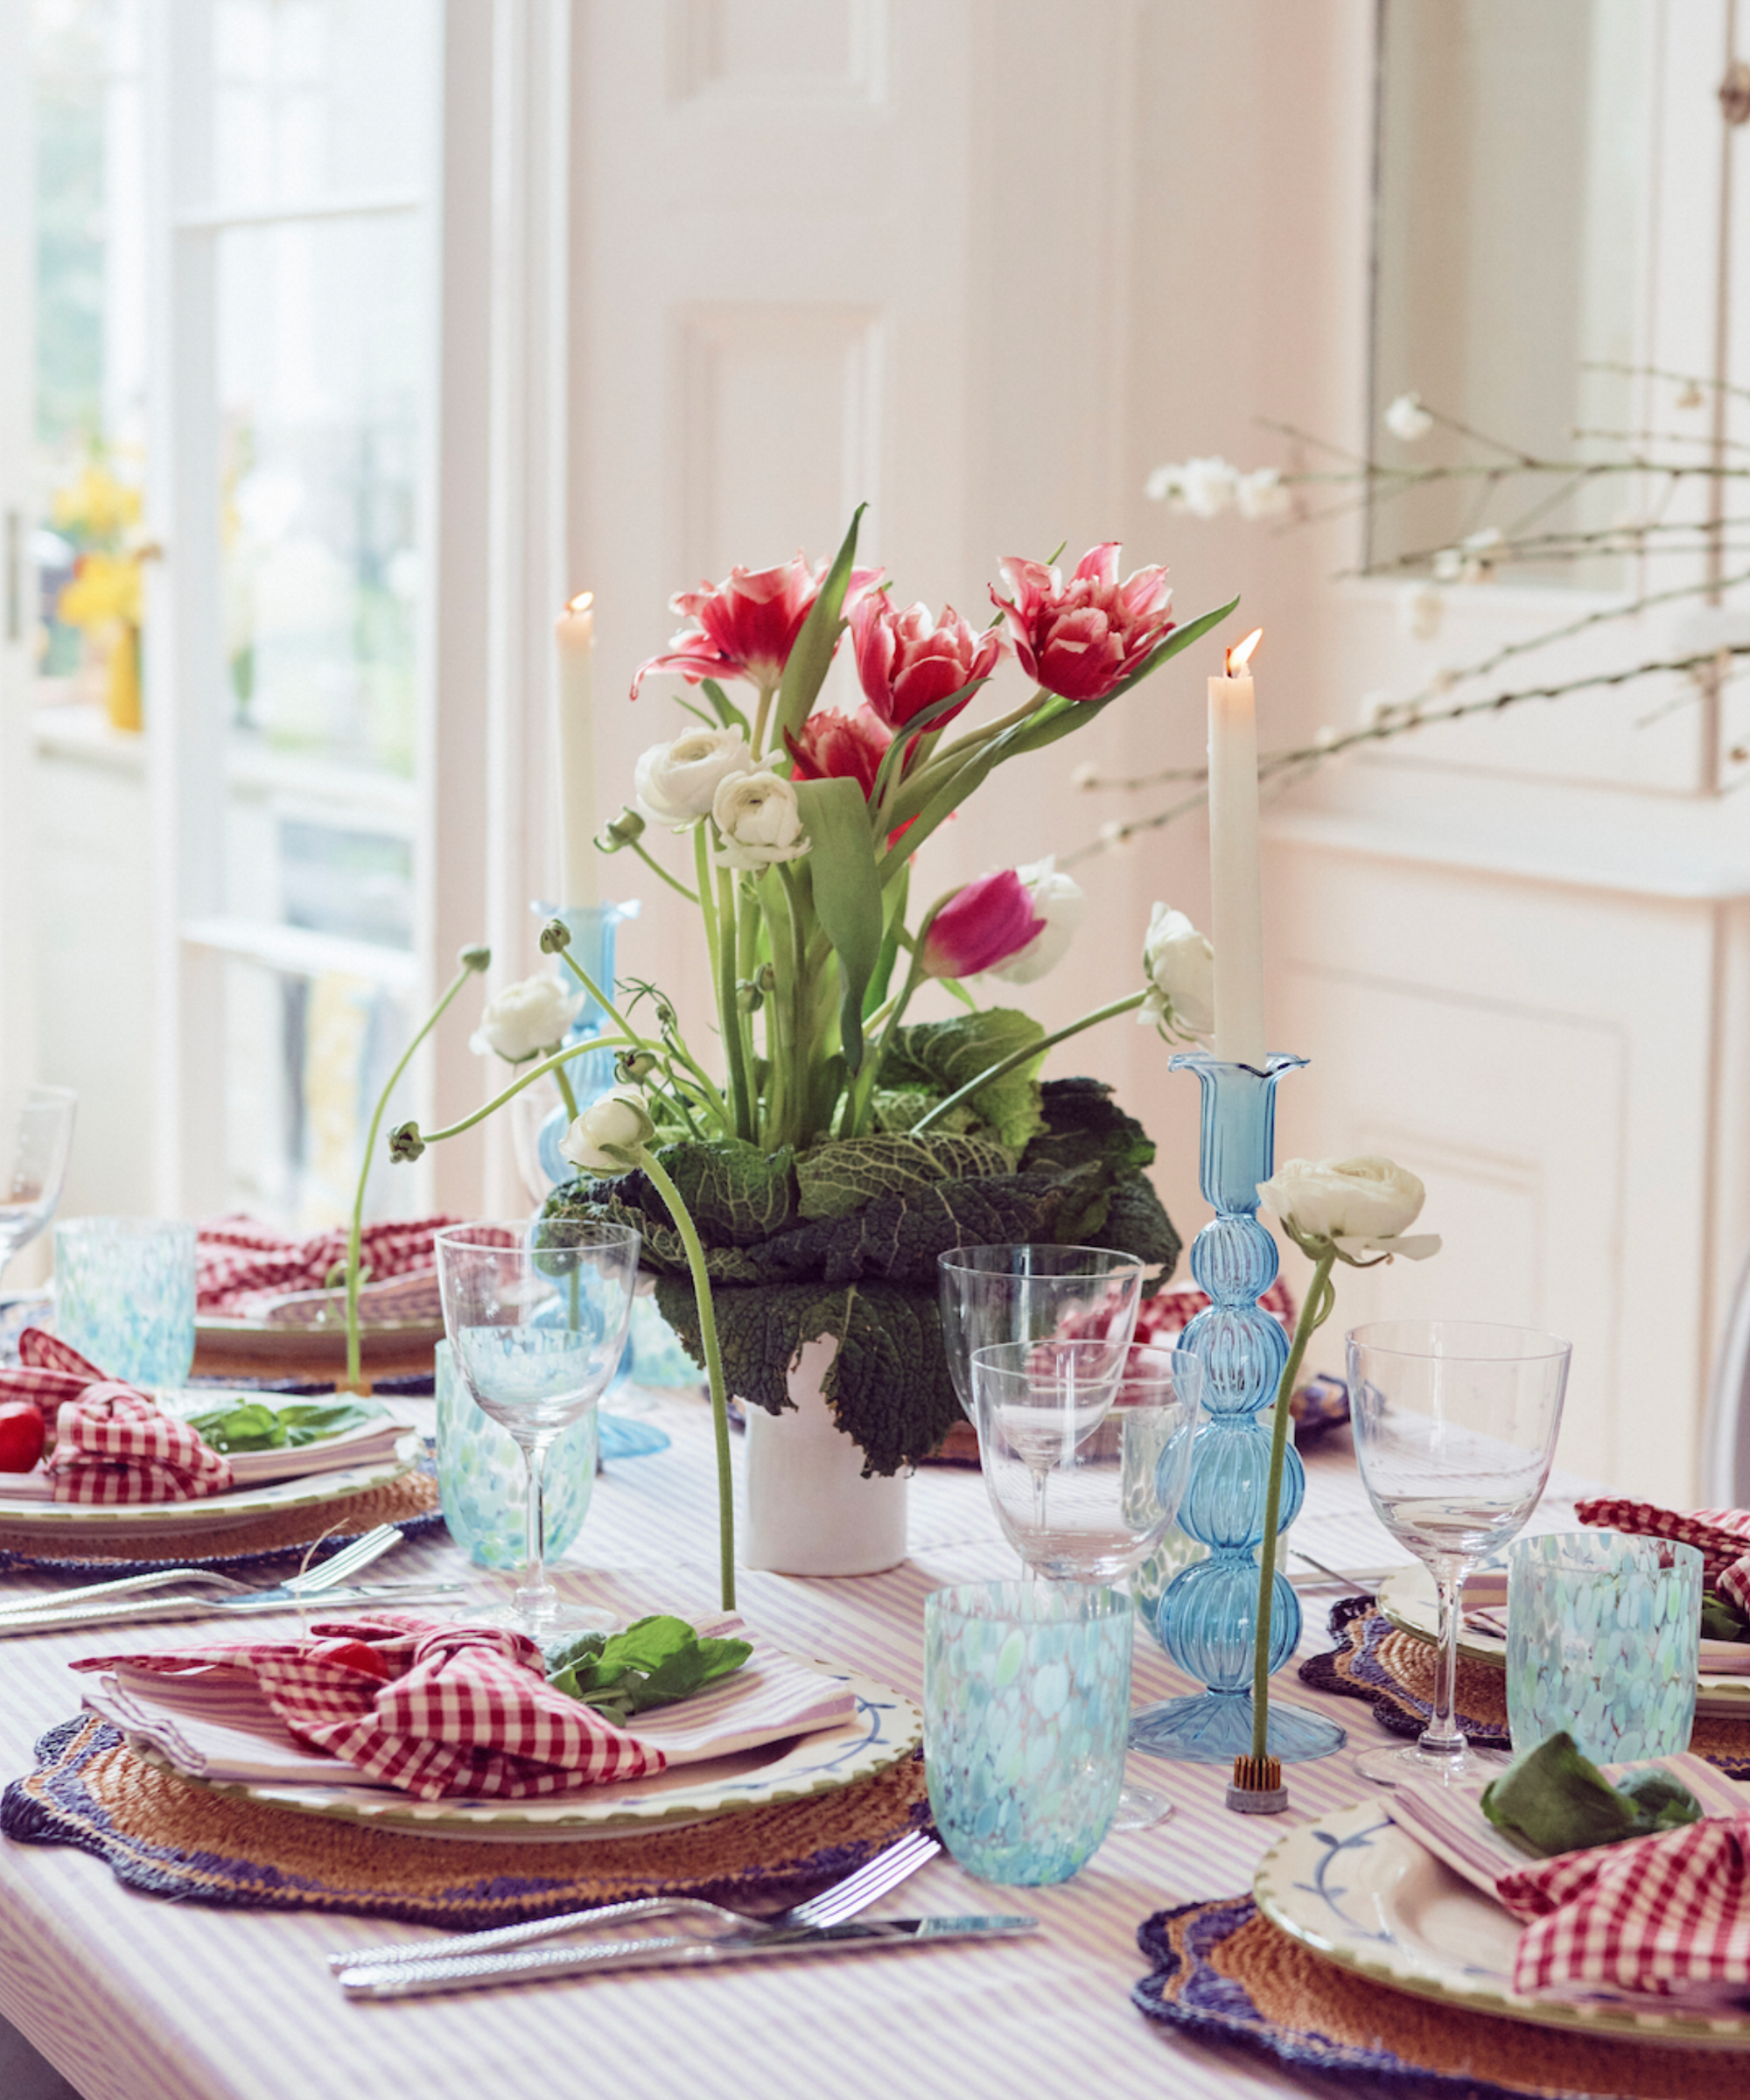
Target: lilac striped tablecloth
{"points": [[132, 1998]]}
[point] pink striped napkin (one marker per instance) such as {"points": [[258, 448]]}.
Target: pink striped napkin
{"points": [[113, 1445], [434, 1709]]}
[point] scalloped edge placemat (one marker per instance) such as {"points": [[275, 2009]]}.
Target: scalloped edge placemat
{"points": [[1394, 1672], [1223, 1972], [166, 1835]]}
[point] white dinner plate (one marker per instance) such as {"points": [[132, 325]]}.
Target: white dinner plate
{"points": [[1356, 1889], [885, 1728], [1407, 1598], [87, 1521]]}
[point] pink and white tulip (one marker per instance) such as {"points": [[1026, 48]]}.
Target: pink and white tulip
{"points": [[1083, 638], [989, 923], [908, 660], [746, 625], [1059, 901], [832, 746]]}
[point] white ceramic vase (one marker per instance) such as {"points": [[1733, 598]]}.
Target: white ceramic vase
{"points": [[808, 1510]]}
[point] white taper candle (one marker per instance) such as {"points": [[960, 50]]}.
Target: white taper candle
{"points": [[1236, 885]]}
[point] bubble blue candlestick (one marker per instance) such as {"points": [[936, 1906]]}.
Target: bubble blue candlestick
{"points": [[1207, 1619]]}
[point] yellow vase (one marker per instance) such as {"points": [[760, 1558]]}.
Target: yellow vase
{"points": [[122, 694]]}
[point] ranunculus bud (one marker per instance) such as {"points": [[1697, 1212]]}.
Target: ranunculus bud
{"points": [[524, 1019], [748, 996], [605, 1138], [1083, 638], [1357, 1206], [555, 936], [767, 979], [760, 821], [405, 1144], [1180, 965], [675, 782], [1059, 901], [626, 831], [986, 923], [631, 1066], [474, 958]]}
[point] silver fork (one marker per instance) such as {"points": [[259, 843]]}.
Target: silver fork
{"points": [[349, 1561], [832, 1907]]}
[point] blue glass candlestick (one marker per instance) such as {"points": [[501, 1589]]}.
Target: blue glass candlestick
{"points": [[1208, 1619], [591, 1072]]}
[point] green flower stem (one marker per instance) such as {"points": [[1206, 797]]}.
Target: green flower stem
{"points": [[734, 1043], [707, 902], [1127, 1004], [1315, 1310], [864, 1091], [553, 1064], [656, 868], [760, 714], [782, 1009], [604, 1003], [564, 1084], [702, 1294], [354, 1371], [922, 783]]}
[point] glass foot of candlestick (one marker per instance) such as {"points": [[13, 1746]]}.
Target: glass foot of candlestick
{"points": [[1141, 1809], [1215, 1727]]}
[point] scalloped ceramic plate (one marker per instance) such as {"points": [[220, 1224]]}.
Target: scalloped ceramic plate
{"points": [[885, 1728], [1407, 1598], [72, 1521], [1363, 1894]]}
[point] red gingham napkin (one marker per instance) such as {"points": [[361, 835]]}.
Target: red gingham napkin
{"points": [[1665, 1916], [434, 1709], [112, 1443], [1722, 1536], [236, 1257]]}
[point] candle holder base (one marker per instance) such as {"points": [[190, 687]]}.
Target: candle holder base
{"points": [[1215, 1727]]}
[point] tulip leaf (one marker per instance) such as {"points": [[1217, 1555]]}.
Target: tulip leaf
{"points": [[893, 899], [925, 718], [811, 658], [1046, 726], [728, 714], [847, 894]]}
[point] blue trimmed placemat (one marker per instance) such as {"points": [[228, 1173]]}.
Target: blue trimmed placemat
{"points": [[166, 1835], [1223, 1973]]}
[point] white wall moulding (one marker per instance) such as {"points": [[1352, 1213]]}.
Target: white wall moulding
{"points": [[828, 52], [814, 372]]}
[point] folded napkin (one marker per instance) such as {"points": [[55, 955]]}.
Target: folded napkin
{"points": [[113, 1444], [1722, 1536], [235, 1258], [434, 1709]]}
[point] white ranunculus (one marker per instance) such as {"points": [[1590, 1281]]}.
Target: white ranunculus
{"points": [[524, 1019], [675, 783], [1419, 610], [1407, 419], [1059, 901], [760, 821], [1358, 1206], [1260, 494], [1180, 968], [618, 1120], [1209, 487]]}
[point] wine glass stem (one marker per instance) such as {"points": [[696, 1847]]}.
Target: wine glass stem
{"points": [[536, 1596], [1442, 1737]]}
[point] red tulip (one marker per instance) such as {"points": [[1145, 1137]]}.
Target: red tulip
{"points": [[832, 746], [746, 625], [1083, 638], [981, 926], [907, 660]]}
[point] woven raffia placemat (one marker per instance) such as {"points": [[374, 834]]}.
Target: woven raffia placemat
{"points": [[169, 1837], [410, 1502], [1394, 1672], [1222, 1972]]}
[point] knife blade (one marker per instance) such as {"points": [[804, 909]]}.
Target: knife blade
{"points": [[601, 1957], [55, 1618]]}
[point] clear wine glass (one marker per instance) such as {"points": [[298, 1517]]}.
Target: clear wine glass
{"points": [[42, 1139], [1086, 1494], [1028, 1293], [1455, 1426], [535, 1311]]}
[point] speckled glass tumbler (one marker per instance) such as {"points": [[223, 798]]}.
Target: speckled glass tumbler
{"points": [[480, 1481], [1602, 1641], [124, 1296], [1026, 1709]]}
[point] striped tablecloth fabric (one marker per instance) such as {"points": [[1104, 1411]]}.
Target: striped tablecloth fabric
{"points": [[135, 1999]]}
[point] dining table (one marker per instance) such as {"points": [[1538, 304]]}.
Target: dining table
{"points": [[124, 1996]]}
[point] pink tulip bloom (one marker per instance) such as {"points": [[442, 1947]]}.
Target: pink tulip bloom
{"points": [[981, 926], [746, 625], [908, 660], [832, 746], [1082, 638]]}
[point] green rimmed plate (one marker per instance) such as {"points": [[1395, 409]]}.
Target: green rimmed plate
{"points": [[1363, 1894]]}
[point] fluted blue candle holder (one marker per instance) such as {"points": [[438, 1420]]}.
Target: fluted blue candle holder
{"points": [[1207, 1619]]}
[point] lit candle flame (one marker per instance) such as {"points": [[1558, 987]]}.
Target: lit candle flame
{"points": [[1241, 656], [581, 603]]}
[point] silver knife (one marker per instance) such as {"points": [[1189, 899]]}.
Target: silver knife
{"points": [[599, 1958], [54, 1619]]}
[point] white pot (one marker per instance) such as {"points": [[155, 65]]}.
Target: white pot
{"points": [[809, 1511]]}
